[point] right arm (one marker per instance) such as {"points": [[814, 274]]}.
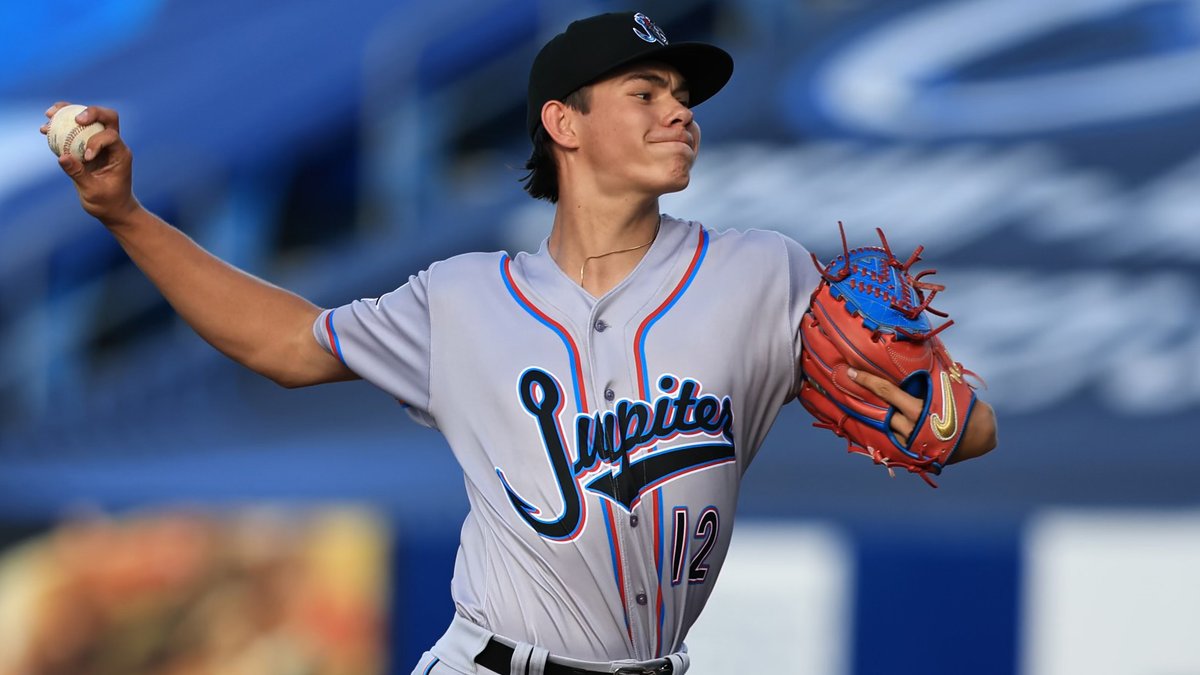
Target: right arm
{"points": [[259, 325]]}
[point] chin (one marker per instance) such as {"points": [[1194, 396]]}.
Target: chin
{"points": [[677, 186], [677, 179], [680, 181]]}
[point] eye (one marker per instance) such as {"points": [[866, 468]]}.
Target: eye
{"points": [[644, 95]]}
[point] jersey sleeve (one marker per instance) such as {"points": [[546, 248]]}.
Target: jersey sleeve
{"points": [[802, 278], [386, 341]]}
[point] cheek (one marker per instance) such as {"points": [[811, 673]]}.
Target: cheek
{"points": [[610, 139]]}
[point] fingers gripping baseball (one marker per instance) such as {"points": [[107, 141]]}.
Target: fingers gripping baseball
{"points": [[103, 177], [55, 108], [101, 142]]}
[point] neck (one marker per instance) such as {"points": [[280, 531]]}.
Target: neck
{"points": [[584, 231]]}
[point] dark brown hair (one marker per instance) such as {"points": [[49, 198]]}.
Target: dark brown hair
{"points": [[542, 180]]}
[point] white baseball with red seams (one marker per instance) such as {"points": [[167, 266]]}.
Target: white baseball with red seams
{"points": [[67, 135]]}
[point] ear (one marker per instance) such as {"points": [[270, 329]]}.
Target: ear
{"points": [[559, 122]]}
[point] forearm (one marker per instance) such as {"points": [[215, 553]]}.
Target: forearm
{"points": [[257, 324]]}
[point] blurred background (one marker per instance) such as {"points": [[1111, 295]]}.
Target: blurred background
{"points": [[1046, 154]]}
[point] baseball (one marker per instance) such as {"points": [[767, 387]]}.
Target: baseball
{"points": [[67, 135]]}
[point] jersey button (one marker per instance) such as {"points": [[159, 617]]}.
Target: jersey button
{"points": [[641, 598], [633, 521], [601, 326], [609, 394]]}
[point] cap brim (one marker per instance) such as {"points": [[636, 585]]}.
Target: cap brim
{"points": [[705, 68]]}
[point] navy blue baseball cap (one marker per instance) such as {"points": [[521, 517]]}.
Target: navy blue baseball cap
{"points": [[591, 48]]}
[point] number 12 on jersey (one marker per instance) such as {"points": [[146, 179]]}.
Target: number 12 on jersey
{"points": [[705, 535]]}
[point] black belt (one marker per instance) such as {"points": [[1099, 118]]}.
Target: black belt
{"points": [[498, 657]]}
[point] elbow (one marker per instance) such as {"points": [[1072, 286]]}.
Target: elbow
{"points": [[282, 371], [298, 363], [305, 369], [290, 381], [298, 373], [292, 364]]}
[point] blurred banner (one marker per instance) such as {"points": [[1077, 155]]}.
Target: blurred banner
{"points": [[266, 591], [253, 592]]}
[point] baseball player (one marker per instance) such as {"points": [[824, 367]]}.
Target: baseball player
{"points": [[603, 395]]}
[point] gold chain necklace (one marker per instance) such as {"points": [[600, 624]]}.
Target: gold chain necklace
{"points": [[623, 250]]}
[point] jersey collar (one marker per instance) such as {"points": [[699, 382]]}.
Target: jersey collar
{"points": [[543, 273]]}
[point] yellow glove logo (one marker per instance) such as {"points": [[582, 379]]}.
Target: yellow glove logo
{"points": [[945, 425]]}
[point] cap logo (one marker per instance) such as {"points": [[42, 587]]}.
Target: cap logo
{"points": [[647, 30]]}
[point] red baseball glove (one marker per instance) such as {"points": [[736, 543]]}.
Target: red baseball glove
{"points": [[869, 313]]}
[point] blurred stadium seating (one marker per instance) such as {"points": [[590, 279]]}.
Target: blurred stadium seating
{"points": [[1046, 155]]}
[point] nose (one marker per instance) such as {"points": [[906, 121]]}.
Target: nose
{"points": [[680, 114]]}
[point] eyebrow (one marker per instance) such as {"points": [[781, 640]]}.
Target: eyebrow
{"points": [[655, 79]]}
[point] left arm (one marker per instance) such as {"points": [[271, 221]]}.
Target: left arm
{"points": [[979, 438]]}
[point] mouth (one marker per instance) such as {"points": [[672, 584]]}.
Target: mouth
{"points": [[670, 141]]}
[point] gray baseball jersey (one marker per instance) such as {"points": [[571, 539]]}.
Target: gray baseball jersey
{"points": [[602, 440]]}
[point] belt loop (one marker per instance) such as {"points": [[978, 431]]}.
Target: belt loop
{"points": [[519, 665], [537, 660]]}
